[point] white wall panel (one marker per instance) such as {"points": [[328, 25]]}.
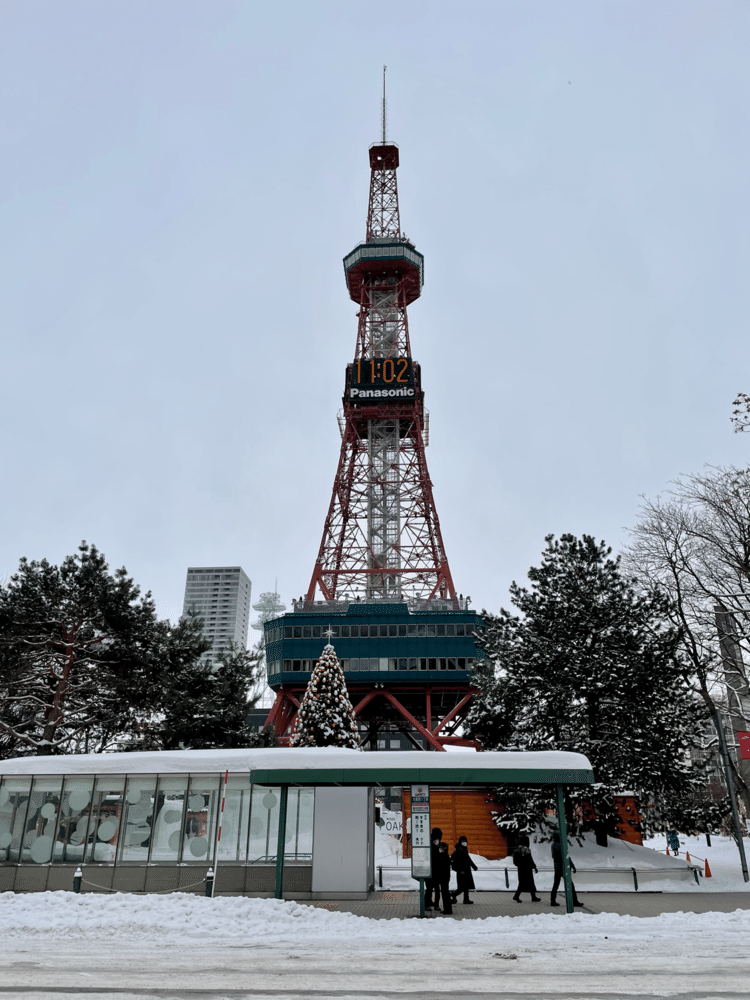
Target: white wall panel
{"points": [[340, 840]]}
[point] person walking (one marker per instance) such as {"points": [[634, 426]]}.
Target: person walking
{"points": [[462, 865], [432, 885], [444, 877], [524, 862], [556, 847]]}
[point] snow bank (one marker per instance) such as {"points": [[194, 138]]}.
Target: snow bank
{"points": [[600, 869], [182, 917]]}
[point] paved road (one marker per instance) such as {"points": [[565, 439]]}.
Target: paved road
{"points": [[123, 970], [55, 993]]}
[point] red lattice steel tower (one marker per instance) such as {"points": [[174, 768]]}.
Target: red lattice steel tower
{"points": [[382, 535]]}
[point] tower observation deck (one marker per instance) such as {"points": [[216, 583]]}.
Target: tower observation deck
{"points": [[381, 580]]}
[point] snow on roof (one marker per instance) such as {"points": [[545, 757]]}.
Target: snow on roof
{"points": [[325, 765]]}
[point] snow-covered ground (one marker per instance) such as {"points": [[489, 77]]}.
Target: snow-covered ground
{"points": [[182, 917], [600, 869], [129, 946]]}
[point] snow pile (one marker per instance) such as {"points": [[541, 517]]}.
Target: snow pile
{"points": [[181, 917], [600, 869], [723, 859]]}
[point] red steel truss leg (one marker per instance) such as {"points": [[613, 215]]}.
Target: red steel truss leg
{"points": [[410, 718], [459, 741], [365, 701], [455, 711], [271, 720], [289, 712]]}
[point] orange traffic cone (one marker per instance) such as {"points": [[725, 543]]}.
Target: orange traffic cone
{"points": [[667, 850], [708, 870], [687, 857]]}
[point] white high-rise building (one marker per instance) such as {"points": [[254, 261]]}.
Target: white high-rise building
{"points": [[220, 595]]}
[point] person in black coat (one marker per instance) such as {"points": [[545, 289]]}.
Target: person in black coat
{"points": [[524, 862], [462, 865], [444, 877], [557, 861], [432, 885]]}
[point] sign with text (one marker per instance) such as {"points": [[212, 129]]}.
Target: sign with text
{"points": [[744, 739], [421, 858]]}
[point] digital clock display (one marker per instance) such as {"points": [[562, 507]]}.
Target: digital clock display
{"points": [[389, 380]]}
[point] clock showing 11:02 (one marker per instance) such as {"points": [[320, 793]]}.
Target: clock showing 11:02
{"points": [[389, 379]]}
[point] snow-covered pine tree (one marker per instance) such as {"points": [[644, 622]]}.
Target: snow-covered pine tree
{"points": [[326, 716], [86, 666], [592, 666]]}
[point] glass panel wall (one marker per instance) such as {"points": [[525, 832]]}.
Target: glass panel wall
{"points": [[169, 813], [142, 819], [135, 839], [299, 825], [236, 823], [75, 819], [41, 820], [105, 813], [14, 800], [200, 825], [264, 825]]}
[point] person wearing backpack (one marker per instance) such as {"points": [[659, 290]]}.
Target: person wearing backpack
{"points": [[524, 862], [462, 865]]}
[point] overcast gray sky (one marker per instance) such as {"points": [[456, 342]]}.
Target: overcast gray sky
{"points": [[179, 182]]}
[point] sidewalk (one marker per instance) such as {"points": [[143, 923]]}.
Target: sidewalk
{"points": [[405, 905]]}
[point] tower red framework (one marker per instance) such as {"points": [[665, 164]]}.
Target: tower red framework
{"points": [[406, 641], [382, 537]]}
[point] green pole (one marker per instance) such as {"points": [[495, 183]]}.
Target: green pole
{"points": [[564, 848], [421, 897], [281, 843]]}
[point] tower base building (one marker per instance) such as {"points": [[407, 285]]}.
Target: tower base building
{"points": [[408, 672]]}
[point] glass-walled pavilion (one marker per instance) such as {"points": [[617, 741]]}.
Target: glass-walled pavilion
{"points": [[148, 822]]}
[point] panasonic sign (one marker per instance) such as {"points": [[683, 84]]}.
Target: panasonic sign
{"points": [[400, 393]]}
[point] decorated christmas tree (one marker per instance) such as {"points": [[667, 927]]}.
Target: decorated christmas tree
{"points": [[326, 716]]}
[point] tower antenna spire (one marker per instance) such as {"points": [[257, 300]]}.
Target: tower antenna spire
{"points": [[385, 120]]}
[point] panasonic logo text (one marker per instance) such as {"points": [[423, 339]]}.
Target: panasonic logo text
{"points": [[380, 393]]}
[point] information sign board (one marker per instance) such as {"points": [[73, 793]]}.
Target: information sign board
{"points": [[744, 741], [421, 858]]}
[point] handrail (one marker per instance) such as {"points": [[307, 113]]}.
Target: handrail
{"points": [[695, 869]]}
